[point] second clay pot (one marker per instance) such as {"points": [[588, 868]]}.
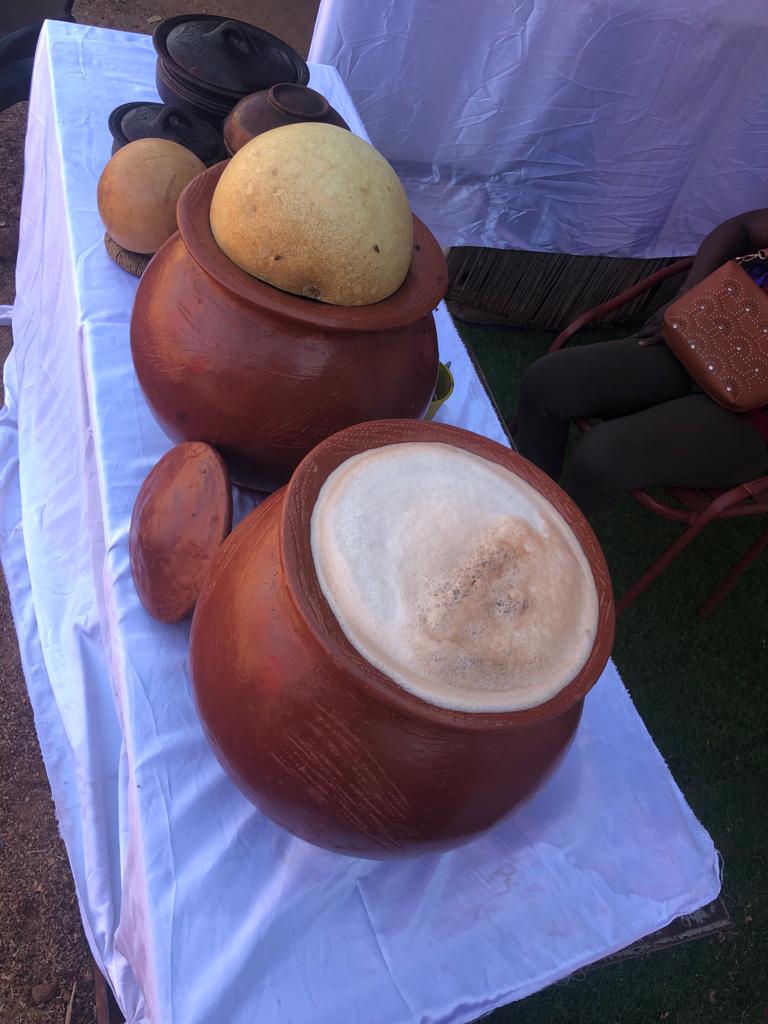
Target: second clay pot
{"points": [[263, 375]]}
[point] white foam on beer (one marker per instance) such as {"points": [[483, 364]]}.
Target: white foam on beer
{"points": [[453, 577]]}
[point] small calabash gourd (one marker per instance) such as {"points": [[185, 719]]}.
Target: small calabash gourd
{"points": [[138, 190]]}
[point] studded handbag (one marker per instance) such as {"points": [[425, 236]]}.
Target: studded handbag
{"points": [[719, 332]]}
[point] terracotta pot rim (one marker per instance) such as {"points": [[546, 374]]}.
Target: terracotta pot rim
{"points": [[423, 288], [305, 592], [273, 98]]}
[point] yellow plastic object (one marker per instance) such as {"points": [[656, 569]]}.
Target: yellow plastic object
{"points": [[443, 389]]}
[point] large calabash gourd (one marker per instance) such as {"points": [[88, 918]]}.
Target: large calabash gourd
{"points": [[138, 191], [316, 211]]}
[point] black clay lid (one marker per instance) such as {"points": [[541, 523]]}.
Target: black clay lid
{"points": [[144, 120], [229, 55]]}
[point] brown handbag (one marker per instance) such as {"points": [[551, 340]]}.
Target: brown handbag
{"points": [[719, 332]]}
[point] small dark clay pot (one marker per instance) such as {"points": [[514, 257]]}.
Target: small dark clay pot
{"points": [[264, 375], [324, 743], [132, 121], [281, 105]]}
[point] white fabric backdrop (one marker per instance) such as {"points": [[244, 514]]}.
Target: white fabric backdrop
{"points": [[616, 127], [197, 908]]}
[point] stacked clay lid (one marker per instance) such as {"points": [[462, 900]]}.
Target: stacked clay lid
{"points": [[206, 63], [283, 104], [146, 120]]}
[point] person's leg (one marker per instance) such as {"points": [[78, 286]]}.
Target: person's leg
{"points": [[688, 442], [15, 79], [604, 380], [21, 44], [17, 52]]}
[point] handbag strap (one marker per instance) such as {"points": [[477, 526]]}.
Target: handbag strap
{"points": [[761, 254]]}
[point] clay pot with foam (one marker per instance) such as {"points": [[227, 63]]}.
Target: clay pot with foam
{"points": [[325, 744], [263, 375]]}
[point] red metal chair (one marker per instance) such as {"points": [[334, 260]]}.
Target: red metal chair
{"points": [[693, 509]]}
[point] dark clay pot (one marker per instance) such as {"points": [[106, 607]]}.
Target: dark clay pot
{"points": [[281, 105], [143, 120], [263, 375], [206, 63], [176, 93], [322, 742]]}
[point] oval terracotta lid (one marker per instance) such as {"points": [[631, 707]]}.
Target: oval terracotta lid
{"points": [[182, 515]]}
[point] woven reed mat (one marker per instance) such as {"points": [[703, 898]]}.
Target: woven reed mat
{"points": [[134, 262]]}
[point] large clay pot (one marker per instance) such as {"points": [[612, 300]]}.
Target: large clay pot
{"points": [[327, 745], [263, 375]]}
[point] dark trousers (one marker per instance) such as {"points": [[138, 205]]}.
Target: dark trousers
{"points": [[17, 52], [17, 48], [656, 429]]}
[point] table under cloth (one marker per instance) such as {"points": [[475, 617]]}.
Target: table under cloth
{"points": [[196, 907]]}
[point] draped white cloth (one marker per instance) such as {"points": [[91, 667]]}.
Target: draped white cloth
{"points": [[197, 908], [615, 127]]}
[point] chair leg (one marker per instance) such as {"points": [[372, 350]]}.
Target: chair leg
{"points": [[662, 563], [734, 575]]}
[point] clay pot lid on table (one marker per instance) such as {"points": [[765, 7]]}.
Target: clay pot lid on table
{"points": [[181, 517], [146, 120], [225, 56], [282, 104]]}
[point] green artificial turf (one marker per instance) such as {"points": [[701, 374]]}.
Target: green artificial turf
{"points": [[700, 688]]}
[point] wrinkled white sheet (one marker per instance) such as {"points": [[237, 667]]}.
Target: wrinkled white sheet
{"points": [[616, 127], [197, 908]]}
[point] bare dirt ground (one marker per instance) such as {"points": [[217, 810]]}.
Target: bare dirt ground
{"points": [[43, 952]]}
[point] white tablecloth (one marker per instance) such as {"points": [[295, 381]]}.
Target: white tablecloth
{"points": [[197, 908], [616, 127]]}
